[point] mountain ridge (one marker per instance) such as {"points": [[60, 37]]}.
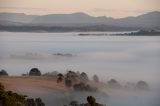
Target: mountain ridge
{"points": [[145, 21]]}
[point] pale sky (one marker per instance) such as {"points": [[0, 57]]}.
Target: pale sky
{"points": [[111, 8]]}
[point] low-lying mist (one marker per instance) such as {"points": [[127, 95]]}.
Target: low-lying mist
{"points": [[109, 97], [111, 64], [124, 58]]}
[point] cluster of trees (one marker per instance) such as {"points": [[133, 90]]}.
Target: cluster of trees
{"points": [[140, 85], [32, 28], [76, 80], [84, 87], [9, 98], [91, 101], [32, 72], [79, 81], [143, 33], [34, 102]]}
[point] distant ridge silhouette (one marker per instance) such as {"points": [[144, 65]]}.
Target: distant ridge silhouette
{"points": [[148, 20]]}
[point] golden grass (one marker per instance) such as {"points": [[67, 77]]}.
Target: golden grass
{"points": [[31, 84]]}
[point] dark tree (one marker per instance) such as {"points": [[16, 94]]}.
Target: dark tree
{"points": [[35, 72], [30, 102], [84, 76], [60, 75], [3, 73], [95, 78], [60, 78], [84, 87], [8, 98], [142, 85], [73, 76], [79, 87], [34, 102], [38, 102], [113, 83], [92, 102], [74, 103], [68, 83]]}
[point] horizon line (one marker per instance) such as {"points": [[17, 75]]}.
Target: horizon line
{"points": [[77, 13]]}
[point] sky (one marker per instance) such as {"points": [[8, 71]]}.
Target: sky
{"points": [[110, 8]]}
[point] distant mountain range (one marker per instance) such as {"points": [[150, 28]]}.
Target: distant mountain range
{"points": [[76, 22]]}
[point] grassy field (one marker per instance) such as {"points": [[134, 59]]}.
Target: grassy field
{"points": [[31, 84]]}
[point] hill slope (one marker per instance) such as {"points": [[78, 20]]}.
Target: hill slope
{"points": [[76, 22]]}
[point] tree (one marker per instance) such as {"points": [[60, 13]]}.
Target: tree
{"points": [[38, 102], [84, 77], [9, 98], [71, 75], [92, 102], [35, 72], [68, 83], [74, 103], [3, 73], [142, 85], [95, 78], [34, 102], [60, 78], [84, 87], [30, 102], [113, 83]]}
